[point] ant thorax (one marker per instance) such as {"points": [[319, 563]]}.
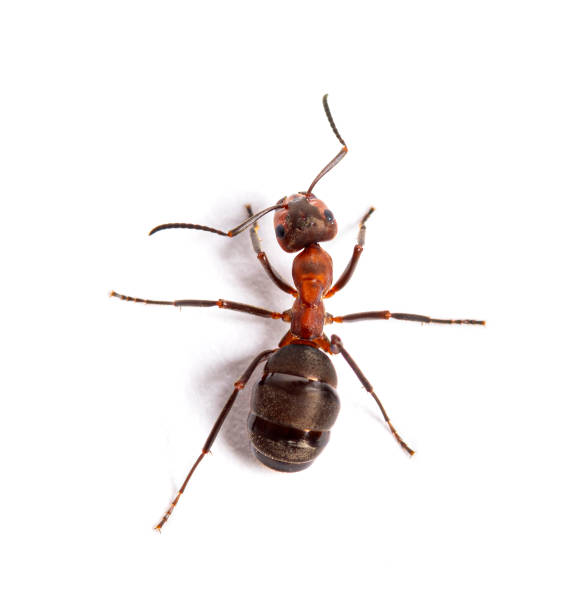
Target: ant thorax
{"points": [[312, 275]]}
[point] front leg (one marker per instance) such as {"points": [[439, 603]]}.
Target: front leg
{"points": [[255, 242], [358, 248]]}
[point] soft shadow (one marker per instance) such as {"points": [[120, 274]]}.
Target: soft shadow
{"points": [[242, 270]]}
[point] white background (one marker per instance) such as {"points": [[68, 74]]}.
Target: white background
{"points": [[462, 124]]}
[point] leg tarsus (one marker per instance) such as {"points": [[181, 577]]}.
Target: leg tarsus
{"points": [[169, 511]]}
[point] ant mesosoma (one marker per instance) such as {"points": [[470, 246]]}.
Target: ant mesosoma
{"points": [[295, 404]]}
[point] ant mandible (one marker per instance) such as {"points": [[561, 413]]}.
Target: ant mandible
{"points": [[295, 404]]}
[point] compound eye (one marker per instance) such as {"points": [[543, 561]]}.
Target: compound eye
{"points": [[280, 231], [328, 214]]}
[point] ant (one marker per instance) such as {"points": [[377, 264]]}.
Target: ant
{"points": [[295, 404]]}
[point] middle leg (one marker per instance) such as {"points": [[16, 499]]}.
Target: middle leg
{"points": [[401, 316], [227, 305]]}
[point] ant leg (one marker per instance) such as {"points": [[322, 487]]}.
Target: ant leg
{"points": [[255, 241], [238, 385], [336, 347], [358, 248], [386, 314], [252, 310]]}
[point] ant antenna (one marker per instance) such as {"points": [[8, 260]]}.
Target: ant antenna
{"points": [[339, 156], [232, 232]]}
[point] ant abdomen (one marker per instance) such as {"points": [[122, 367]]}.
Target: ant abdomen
{"points": [[293, 408]]}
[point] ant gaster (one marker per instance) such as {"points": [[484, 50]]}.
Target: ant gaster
{"points": [[295, 403]]}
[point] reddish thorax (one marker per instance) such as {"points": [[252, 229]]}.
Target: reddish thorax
{"points": [[312, 275]]}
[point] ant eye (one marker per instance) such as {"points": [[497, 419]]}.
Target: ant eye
{"points": [[328, 214], [280, 231]]}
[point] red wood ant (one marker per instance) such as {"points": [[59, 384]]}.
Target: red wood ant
{"points": [[295, 404]]}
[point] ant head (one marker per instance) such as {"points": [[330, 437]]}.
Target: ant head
{"points": [[302, 221]]}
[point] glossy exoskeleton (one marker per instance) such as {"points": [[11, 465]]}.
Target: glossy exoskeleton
{"points": [[295, 404], [293, 408]]}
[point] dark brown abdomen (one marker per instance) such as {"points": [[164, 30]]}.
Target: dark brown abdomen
{"points": [[293, 407]]}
